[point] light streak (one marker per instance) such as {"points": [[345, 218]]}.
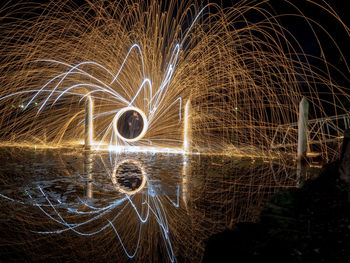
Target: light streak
{"points": [[146, 149]]}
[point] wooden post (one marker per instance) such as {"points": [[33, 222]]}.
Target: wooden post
{"points": [[88, 122], [303, 129]]}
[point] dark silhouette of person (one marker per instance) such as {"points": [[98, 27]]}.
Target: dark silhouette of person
{"points": [[135, 183], [134, 122]]}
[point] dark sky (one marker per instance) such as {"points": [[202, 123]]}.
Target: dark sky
{"points": [[301, 31]]}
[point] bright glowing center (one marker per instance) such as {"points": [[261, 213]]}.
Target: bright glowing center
{"points": [[130, 124]]}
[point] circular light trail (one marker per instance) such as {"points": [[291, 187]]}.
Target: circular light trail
{"points": [[116, 174], [117, 117]]}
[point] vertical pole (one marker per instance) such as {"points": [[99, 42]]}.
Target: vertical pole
{"points": [[302, 129], [88, 122], [187, 127]]}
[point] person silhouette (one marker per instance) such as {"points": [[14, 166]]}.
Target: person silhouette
{"points": [[134, 123]]}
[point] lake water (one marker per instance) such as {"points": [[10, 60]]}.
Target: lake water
{"points": [[68, 205]]}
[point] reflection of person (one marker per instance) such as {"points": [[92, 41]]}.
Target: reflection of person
{"points": [[135, 183], [134, 122]]}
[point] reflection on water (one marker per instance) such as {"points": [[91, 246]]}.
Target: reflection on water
{"points": [[67, 205], [129, 176]]}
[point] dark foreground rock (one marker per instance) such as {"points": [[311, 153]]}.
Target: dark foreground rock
{"points": [[309, 224]]}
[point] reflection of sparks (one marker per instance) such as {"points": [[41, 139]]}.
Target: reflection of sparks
{"points": [[238, 179], [88, 214], [139, 167]]}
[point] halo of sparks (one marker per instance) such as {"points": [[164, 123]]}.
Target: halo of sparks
{"points": [[243, 78]]}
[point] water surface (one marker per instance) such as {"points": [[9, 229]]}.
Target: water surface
{"points": [[71, 205]]}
